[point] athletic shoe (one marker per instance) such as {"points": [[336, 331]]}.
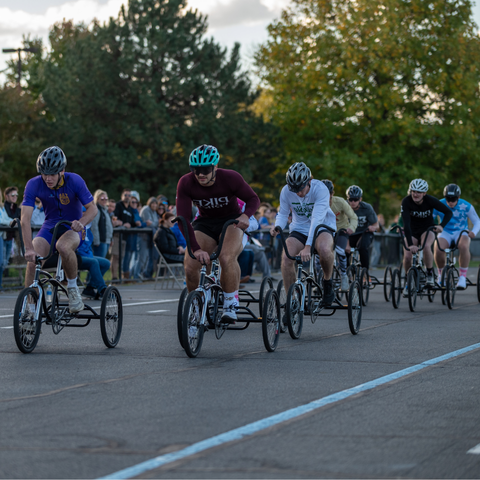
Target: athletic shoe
{"points": [[405, 291], [328, 293], [462, 283], [344, 286], [89, 292], [229, 315], [430, 280], [75, 303]]}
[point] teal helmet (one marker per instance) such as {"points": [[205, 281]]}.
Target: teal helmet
{"points": [[204, 156]]}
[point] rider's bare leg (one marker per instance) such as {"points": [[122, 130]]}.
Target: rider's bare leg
{"points": [[324, 248], [294, 247], [427, 251], [41, 247], [439, 255], [192, 267], [464, 251], [407, 256], [66, 246], [232, 247]]}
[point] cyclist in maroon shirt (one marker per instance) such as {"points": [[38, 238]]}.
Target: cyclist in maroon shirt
{"points": [[214, 191]]}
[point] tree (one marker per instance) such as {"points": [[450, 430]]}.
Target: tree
{"points": [[376, 92], [129, 100]]}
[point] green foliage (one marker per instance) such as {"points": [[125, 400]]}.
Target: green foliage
{"points": [[376, 93], [128, 101]]}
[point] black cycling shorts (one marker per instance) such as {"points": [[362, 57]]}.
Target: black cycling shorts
{"points": [[212, 226]]}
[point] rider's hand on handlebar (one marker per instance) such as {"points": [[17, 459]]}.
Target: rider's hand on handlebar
{"points": [[413, 248], [77, 226], [202, 256], [30, 255], [243, 222], [438, 229], [305, 253], [273, 232]]}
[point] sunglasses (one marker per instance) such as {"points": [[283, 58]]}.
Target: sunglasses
{"points": [[353, 199], [13, 194], [104, 198], [297, 188], [451, 199], [202, 170]]}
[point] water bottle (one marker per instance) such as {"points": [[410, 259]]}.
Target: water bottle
{"points": [[49, 294]]}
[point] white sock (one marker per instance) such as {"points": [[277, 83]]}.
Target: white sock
{"points": [[230, 299], [72, 283]]}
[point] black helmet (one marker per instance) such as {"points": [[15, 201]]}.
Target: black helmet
{"points": [[354, 192], [298, 176], [51, 161], [329, 185], [452, 190]]}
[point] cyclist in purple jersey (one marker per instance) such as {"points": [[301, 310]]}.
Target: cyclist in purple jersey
{"points": [[62, 195], [214, 191]]}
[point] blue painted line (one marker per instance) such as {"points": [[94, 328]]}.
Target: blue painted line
{"points": [[252, 428]]}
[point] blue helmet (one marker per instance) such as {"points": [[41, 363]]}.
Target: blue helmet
{"points": [[204, 156]]}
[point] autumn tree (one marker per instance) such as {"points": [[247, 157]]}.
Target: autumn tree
{"points": [[376, 93]]}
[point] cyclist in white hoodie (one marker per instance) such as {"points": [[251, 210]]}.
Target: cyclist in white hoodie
{"points": [[309, 202]]}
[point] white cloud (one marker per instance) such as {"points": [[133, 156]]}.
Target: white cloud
{"points": [[231, 20]]}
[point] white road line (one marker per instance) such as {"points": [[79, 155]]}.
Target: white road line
{"points": [[158, 311], [475, 450], [150, 303], [7, 327], [6, 316], [252, 428]]}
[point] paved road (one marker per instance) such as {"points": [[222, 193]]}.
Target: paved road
{"points": [[75, 409]]}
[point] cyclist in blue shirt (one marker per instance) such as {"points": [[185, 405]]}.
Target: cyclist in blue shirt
{"points": [[462, 212], [62, 195]]}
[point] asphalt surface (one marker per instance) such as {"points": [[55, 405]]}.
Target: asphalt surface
{"points": [[76, 409]]}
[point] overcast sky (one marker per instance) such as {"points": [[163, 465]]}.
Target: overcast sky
{"points": [[244, 21]]}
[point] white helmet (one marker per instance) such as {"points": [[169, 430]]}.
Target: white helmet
{"points": [[418, 185]]}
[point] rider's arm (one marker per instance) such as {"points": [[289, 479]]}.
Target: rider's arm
{"points": [[320, 213], [284, 211], [184, 209], [26, 227], [352, 216], [441, 207], [372, 220], [473, 217], [405, 214], [245, 192], [88, 215]]}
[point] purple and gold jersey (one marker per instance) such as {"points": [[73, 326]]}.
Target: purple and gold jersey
{"points": [[62, 203]]}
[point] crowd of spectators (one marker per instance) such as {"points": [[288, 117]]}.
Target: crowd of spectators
{"points": [[137, 232]]}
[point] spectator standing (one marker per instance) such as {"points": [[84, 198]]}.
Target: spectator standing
{"points": [[4, 220], [124, 217], [132, 239], [38, 215], [102, 227], [166, 242], [13, 211], [147, 254]]}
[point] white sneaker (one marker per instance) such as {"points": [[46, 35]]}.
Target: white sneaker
{"points": [[405, 291], [229, 315], [462, 283], [344, 285], [75, 303], [430, 280]]}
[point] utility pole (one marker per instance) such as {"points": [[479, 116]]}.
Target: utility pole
{"points": [[19, 64]]}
